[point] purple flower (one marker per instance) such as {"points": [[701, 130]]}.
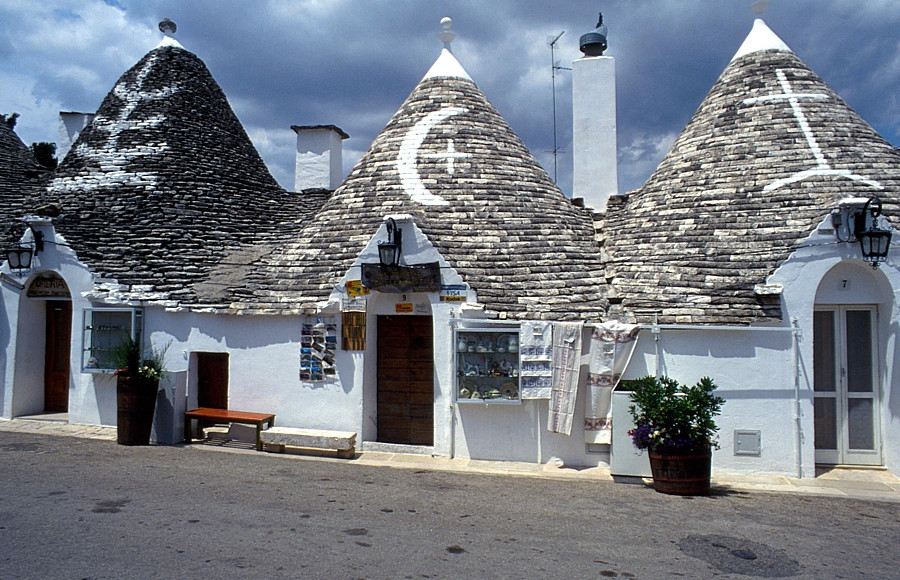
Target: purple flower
{"points": [[640, 436]]}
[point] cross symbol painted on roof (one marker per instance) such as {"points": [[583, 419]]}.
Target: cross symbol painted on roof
{"points": [[450, 155], [822, 168]]}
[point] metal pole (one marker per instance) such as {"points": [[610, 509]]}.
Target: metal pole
{"points": [[553, 80]]}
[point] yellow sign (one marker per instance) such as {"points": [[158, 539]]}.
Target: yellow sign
{"points": [[404, 307], [356, 288]]}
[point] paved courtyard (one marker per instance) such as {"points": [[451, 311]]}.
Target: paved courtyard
{"points": [[79, 507]]}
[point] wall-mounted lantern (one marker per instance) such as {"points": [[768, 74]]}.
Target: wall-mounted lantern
{"points": [[389, 276], [874, 241], [19, 255], [389, 251], [858, 221]]}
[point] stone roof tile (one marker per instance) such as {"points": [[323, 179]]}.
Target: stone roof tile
{"points": [[22, 182], [164, 184], [477, 194], [740, 189]]}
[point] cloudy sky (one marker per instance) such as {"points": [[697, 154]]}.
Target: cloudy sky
{"points": [[352, 63]]}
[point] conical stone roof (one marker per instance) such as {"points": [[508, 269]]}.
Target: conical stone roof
{"points": [[164, 185], [22, 181], [766, 157], [448, 159]]}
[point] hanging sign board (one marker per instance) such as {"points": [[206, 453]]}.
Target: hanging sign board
{"points": [[401, 279], [48, 286]]}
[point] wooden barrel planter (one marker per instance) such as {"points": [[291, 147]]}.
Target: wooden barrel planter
{"points": [[136, 403], [681, 472]]}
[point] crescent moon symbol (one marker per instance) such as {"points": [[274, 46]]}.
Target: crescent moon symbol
{"points": [[407, 159]]}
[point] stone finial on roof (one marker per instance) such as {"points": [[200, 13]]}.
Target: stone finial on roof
{"points": [[167, 27], [446, 35], [446, 65]]}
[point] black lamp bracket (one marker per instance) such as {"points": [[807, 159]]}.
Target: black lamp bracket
{"points": [[853, 215], [38, 239], [856, 220], [389, 251]]}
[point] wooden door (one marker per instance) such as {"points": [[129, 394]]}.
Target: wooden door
{"points": [[212, 380], [405, 380], [56, 356]]}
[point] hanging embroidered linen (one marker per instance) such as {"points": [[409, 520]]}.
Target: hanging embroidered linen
{"points": [[564, 387], [535, 349], [612, 344]]}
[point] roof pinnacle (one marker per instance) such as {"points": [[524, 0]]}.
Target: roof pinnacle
{"points": [[446, 36], [167, 27]]}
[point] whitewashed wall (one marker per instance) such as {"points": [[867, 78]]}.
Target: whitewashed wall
{"points": [[416, 250], [754, 372], [22, 336], [263, 367], [519, 432], [754, 368], [815, 274]]}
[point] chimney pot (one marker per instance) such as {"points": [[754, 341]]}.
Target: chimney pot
{"points": [[319, 157]]}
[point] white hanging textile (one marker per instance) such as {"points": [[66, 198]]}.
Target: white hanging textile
{"points": [[535, 350], [564, 382], [612, 344]]}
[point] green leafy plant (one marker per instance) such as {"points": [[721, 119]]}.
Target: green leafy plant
{"points": [[671, 415], [131, 360]]}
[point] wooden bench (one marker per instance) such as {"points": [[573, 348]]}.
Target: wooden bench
{"points": [[277, 438], [226, 416]]}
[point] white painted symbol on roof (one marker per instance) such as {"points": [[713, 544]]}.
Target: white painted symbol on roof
{"points": [[822, 168], [407, 159], [111, 157], [450, 155]]}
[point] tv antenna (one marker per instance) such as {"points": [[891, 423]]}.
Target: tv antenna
{"points": [[554, 66]]}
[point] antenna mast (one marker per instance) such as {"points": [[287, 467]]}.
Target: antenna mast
{"points": [[554, 66]]}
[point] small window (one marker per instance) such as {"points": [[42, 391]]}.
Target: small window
{"points": [[104, 330]]}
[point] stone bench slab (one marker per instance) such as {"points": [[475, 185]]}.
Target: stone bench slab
{"points": [[277, 438]]}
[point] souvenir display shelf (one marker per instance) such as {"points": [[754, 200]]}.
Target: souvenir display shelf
{"points": [[487, 366], [103, 331]]}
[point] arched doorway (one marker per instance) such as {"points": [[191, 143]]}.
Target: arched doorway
{"points": [[50, 288], [847, 355]]}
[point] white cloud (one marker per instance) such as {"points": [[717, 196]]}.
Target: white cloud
{"points": [[640, 156]]}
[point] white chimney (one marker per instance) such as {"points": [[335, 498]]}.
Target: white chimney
{"points": [[319, 162], [595, 168], [71, 124]]}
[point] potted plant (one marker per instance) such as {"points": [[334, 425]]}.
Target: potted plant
{"points": [[676, 424], [138, 373]]}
